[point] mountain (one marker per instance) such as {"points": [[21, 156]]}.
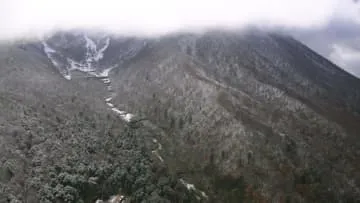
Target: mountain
{"points": [[212, 117]]}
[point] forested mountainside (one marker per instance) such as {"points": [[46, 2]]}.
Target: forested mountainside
{"points": [[212, 117]]}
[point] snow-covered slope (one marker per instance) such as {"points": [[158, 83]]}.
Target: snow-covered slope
{"points": [[71, 52], [90, 51], [255, 108]]}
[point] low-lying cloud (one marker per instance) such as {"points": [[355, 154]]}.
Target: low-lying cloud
{"points": [[339, 41], [346, 57], [330, 27], [24, 18]]}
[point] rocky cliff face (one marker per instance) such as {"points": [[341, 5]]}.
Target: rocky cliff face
{"points": [[233, 116]]}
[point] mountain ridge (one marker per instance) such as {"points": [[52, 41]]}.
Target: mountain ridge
{"points": [[254, 115]]}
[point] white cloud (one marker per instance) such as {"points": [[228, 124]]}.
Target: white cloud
{"points": [[348, 11], [19, 18], [346, 57]]}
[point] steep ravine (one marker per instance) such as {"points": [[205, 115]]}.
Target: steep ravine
{"points": [[88, 66]]}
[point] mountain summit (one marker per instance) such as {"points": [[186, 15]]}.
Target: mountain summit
{"points": [[211, 117]]}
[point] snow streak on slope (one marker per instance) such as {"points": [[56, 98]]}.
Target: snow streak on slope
{"points": [[113, 199], [92, 56], [191, 187], [156, 152], [100, 54], [54, 57]]}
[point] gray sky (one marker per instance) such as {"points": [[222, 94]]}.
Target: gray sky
{"points": [[331, 27], [339, 41]]}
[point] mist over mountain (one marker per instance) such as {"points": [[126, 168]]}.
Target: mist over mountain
{"points": [[330, 27], [179, 101]]}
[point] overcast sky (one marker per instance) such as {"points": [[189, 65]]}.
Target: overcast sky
{"points": [[331, 27], [339, 41]]}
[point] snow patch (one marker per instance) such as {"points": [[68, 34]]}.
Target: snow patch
{"points": [[47, 48], [93, 55], [125, 116], [188, 185], [50, 54], [100, 54], [156, 152], [81, 67], [108, 99], [105, 73], [116, 110], [128, 117], [106, 80], [90, 44], [158, 156], [191, 187], [159, 146], [113, 199], [204, 194], [116, 199], [68, 77]]}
